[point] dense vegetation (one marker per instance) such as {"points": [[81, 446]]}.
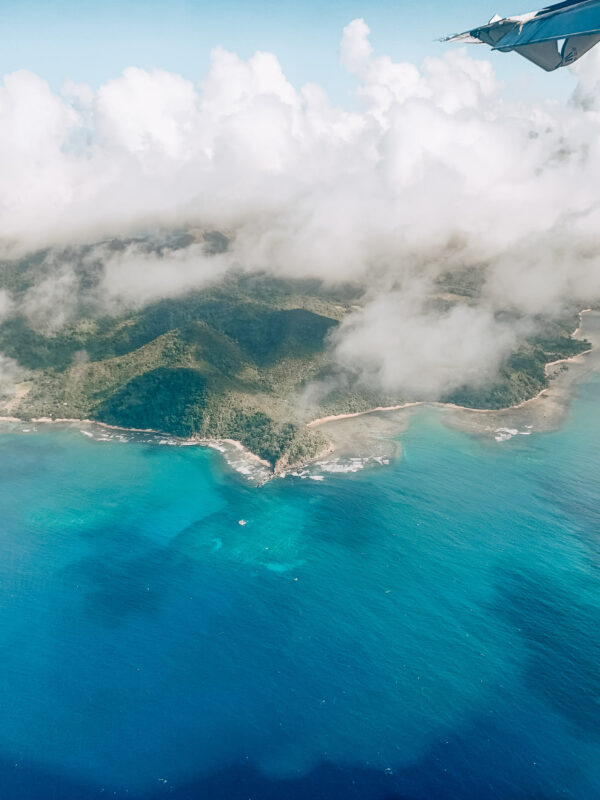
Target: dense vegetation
{"points": [[524, 374], [226, 362], [231, 361], [163, 399]]}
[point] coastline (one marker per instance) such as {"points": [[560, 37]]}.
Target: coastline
{"points": [[409, 404], [204, 441], [376, 430], [334, 417], [217, 444], [370, 435]]}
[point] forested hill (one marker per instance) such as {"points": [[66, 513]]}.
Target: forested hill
{"points": [[228, 362]]}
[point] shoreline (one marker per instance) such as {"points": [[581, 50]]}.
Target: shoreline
{"points": [[332, 447], [409, 404], [334, 417], [203, 442]]}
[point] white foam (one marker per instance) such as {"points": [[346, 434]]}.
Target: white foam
{"points": [[239, 459], [504, 434], [245, 464], [214, 446], [339, 466], [297, 473]]}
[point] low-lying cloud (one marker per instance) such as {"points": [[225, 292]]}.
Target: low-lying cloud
{"points": [[398, 345], [436, 169]]}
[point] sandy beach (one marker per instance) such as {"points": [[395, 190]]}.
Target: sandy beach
{"points": [[373, 433], [365, 433]]}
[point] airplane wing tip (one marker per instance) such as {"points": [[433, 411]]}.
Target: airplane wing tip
{"points": [[461, 37]]}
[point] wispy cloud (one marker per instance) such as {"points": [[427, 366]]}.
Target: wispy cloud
{"points": [[436, 169]]}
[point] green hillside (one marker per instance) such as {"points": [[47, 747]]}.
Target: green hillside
{"points": [[232, 361], [524, 374]]}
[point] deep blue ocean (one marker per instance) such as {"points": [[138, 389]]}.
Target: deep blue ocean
{"points": [[428, 629]]}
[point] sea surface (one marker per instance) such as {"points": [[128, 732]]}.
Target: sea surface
{"points": [[424, 630]]}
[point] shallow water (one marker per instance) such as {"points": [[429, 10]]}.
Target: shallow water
{"points": [[427, 629]]}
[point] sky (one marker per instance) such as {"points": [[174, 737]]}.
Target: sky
{"points": [[93, 41]]}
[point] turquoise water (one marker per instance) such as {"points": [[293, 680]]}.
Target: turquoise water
{"points": [[424, 630]]}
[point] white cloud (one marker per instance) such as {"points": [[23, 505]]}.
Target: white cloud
{"points": [[150, 115], [436, 169], [355, 48], [10, 373], [397, 344], [6, 304], [135, 277]]}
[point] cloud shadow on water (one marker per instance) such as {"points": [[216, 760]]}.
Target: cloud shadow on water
{"points": [[482, 761]]}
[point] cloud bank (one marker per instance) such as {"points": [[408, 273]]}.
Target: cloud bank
{"points": [[434, 169]]}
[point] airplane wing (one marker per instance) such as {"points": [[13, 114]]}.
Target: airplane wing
{"points": [[553, 37]]}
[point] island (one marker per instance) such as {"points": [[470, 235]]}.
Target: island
{"points": [[231, 361]]}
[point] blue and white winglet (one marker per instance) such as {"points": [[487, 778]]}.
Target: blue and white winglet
{"points": [[553, 37]]}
